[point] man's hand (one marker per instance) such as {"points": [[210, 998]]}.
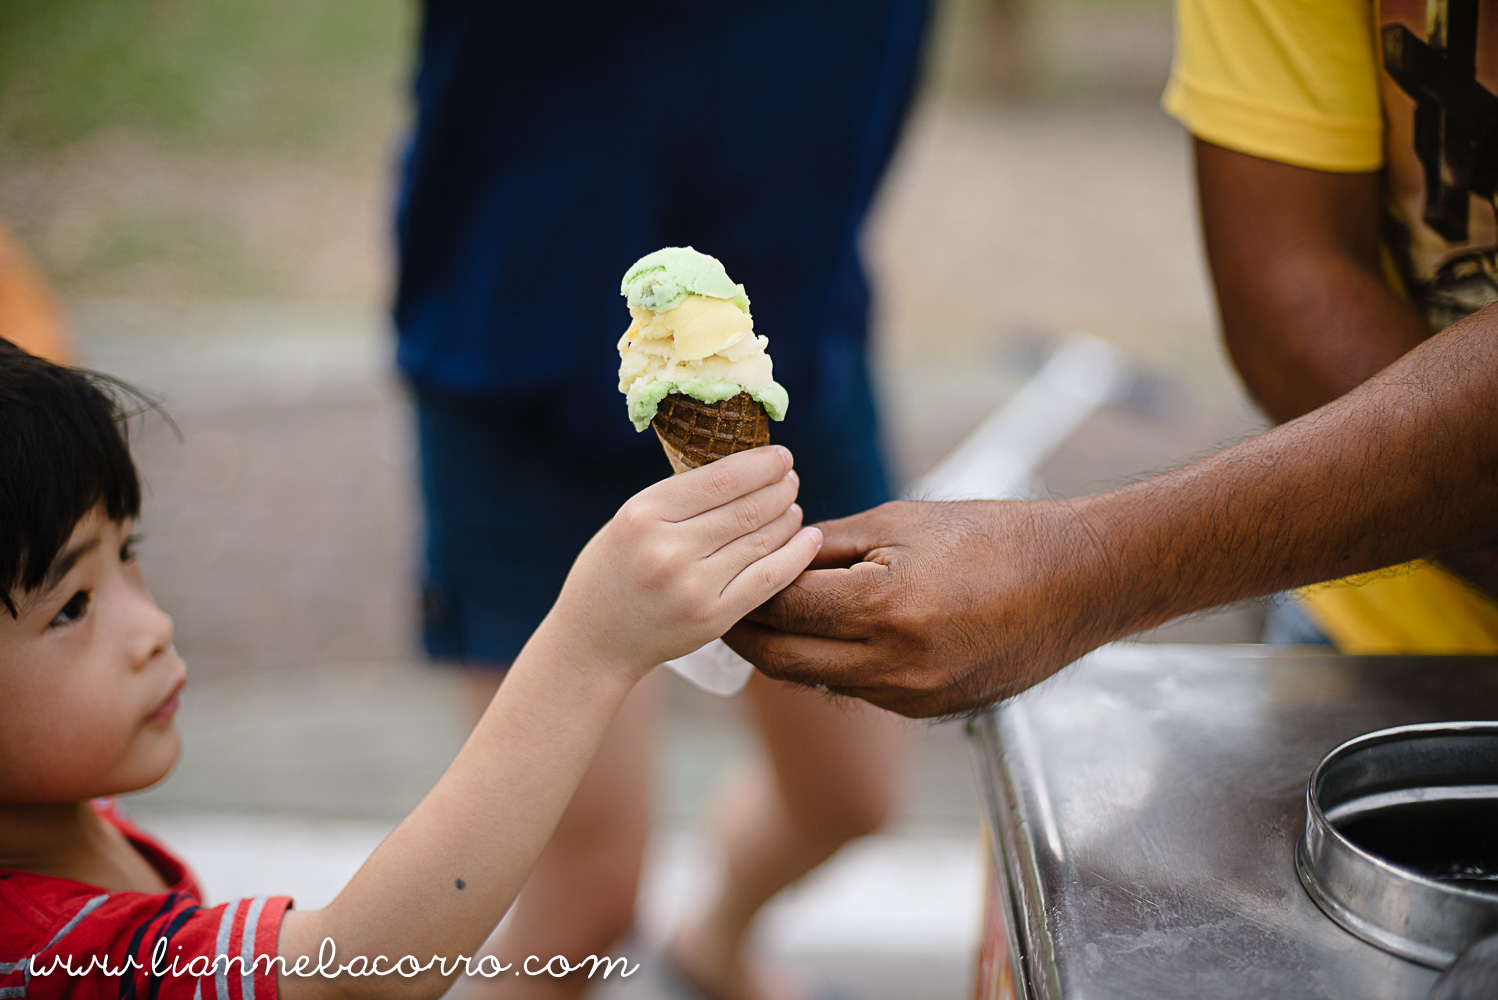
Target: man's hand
{"points": [[930, 609], [937, 608]]}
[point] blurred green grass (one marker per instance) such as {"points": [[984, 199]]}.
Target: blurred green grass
{"points": [[191, 148], [319, 76], [245, 148]]}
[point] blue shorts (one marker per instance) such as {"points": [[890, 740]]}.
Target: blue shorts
{"points": [[507, 511]]}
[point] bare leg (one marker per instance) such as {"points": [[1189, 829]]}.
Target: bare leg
{"points": [[580, 898], [834, 774]]}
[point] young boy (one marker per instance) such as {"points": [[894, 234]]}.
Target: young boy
{"points": [[88, 691]]}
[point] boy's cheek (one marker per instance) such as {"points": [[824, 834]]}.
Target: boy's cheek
{"points": [[72, 752], [28, 753], [40, 763], [36, 768]]}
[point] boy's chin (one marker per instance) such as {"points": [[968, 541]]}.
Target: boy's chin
{"points": [[154, 765]]}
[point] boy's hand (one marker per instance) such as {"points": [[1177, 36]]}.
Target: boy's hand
{"points": [[685, 559]]}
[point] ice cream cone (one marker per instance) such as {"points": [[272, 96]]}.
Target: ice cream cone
{"points": [[691, 338], [694, 433]]}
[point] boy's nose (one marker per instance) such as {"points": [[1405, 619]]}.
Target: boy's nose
{"points": [[153, 632]]}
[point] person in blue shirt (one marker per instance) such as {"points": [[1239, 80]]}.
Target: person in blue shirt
{"points": [[553, 145]]}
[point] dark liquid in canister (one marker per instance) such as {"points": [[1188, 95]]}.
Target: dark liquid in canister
{"points": [[1455, 841]]}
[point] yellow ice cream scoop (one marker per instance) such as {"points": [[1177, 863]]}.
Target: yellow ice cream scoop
{"points": [[691, 334], [690, 362]]}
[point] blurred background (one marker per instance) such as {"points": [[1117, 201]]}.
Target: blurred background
{"points": [[208, 187]]}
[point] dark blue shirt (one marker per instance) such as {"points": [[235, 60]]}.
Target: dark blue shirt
{"points": [[557, 142]]}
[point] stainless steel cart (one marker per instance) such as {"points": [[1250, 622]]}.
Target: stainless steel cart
{"points": [[1143, 808]]}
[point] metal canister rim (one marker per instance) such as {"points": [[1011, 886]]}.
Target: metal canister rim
{"points": [[1402, 911]]}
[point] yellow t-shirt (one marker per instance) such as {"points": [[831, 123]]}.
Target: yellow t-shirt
{"points": [[1295, 81], [1402, 86]]}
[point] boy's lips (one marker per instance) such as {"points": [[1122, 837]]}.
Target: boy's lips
{"points": [[168, 707]]}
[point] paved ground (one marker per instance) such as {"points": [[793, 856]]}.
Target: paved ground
{"points": [[280, 527]]}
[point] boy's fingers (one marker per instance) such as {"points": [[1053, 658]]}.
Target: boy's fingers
{"points": [[761, 579], [731, 559], [713, 485], [744, 515]]}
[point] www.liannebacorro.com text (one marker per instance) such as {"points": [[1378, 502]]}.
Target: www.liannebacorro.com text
{"points": [[328, 965]]}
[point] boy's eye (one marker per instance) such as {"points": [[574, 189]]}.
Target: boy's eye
{"points": [[75, 609], [127, 550]]}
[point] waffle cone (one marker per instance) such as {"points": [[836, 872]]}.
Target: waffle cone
{"points": [[694, 433]]}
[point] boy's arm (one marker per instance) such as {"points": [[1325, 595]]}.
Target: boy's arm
{"points": [[679, 564], [444, 877]]}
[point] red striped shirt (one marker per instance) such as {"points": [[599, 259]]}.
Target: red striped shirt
{"points": [[61, 938]]}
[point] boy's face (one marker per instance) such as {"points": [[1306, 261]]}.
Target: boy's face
{"points": [[88, 677]]}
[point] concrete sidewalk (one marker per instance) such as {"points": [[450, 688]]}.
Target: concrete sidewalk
{"points": [[892, 915]]}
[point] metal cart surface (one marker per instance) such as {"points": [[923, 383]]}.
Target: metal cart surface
{"points": [[1143, 808]]}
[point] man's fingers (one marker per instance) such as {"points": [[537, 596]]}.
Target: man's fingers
{"points": [[717, 483], [847, 541], [844, 668], [802, 659], [912, 705], [762, 578], [835, 603]]}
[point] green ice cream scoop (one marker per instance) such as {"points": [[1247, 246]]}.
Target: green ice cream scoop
{"points": [[660, 281]]}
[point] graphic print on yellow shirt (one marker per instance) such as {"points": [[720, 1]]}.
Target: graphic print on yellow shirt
{"points": [[1440, 97], [1403, 86]]}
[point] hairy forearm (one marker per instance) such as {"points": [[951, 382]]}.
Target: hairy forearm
{"points": [[1402, 467], [446, 875], [1329, 325]]}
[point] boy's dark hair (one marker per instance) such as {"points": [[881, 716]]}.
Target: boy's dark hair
{"points": [[62, 451]]}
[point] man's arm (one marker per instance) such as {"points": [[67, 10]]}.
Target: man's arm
{"points": [[948, 607], [1294, 255], [1306, 314]]}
